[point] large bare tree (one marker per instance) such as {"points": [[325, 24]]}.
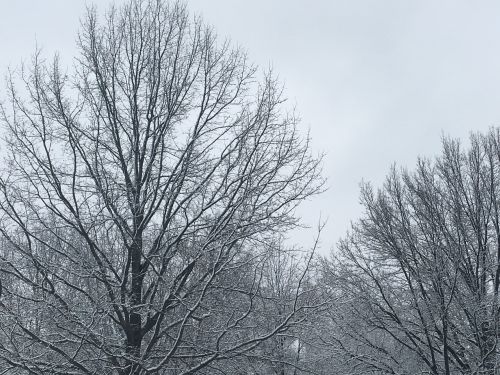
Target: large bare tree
{"points": [[139, 196]]}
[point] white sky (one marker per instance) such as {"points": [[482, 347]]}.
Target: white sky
{"points": [[375, 81]]}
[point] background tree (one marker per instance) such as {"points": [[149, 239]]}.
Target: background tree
{"points": [[420, 272], [285, 285], [139, 197], [288, 281]]}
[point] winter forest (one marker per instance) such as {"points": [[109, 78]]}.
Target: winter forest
{"points": [[148, 192]]}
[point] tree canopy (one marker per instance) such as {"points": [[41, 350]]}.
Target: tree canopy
{"points": [[146, 199], [418, 277], [141, 195]]}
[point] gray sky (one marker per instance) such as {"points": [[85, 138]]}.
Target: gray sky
{"points": [[375, 81]]}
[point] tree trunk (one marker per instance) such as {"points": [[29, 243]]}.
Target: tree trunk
{"points": [[134, 334], [488, 349]]}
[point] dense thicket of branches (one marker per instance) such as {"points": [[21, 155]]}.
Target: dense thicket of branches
{"points": [[417, 279], [144, 205], [140, 199]]}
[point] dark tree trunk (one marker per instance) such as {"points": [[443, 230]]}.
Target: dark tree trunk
{"points": [[134, 329]]}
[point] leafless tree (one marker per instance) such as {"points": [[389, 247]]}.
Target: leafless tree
{"points": [[285, 285], [286, 282], [140, 194], [419, 274]]}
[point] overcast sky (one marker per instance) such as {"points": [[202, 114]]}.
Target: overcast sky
{"points": [[376, 82]]}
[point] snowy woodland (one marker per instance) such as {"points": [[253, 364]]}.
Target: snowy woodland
{"points": [[147, 194]]}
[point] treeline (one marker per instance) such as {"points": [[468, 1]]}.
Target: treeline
{"points": [[145, 202]]}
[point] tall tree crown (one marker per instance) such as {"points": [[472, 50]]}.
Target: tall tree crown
{"points": [[140, 192]]}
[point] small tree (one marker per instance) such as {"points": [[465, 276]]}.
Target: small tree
{"points": [[138, 197]]}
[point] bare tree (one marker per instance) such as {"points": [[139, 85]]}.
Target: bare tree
{"points": [[285, 285], [138, 199], [419, 274], [288, 283]]}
